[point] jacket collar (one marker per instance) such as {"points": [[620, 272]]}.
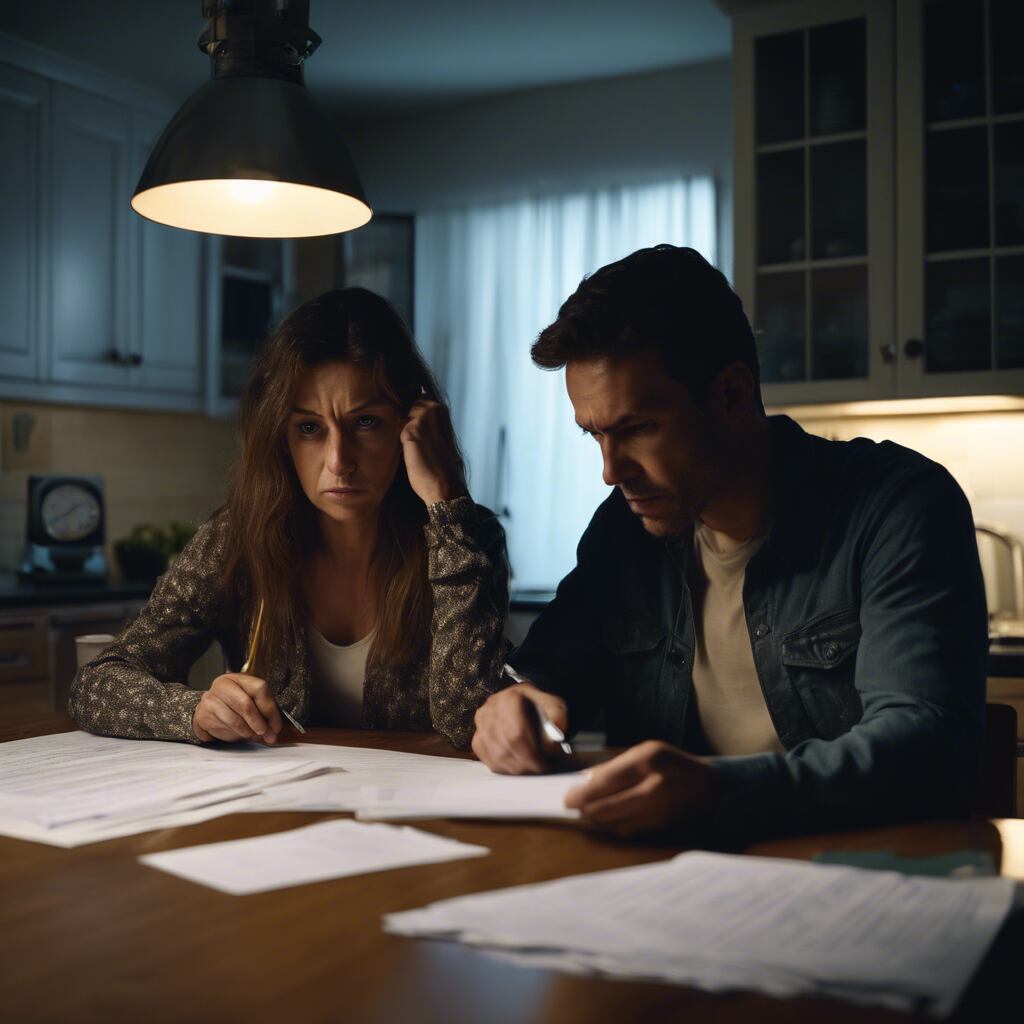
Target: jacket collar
{"points": [[796, 530]]}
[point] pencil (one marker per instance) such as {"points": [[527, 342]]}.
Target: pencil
{"points": [[247, 665]]}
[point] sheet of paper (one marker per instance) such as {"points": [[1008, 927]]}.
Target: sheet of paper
{"points": [[745, 922], [386, 784], [482, 795], [329, 849]]}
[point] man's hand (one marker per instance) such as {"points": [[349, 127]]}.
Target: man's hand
{"points": [[649, 787], [507, 738], [237, 708]]}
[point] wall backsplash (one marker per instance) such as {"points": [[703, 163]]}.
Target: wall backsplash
{"points": [[156, 466], [163, 466], [984, 451]]}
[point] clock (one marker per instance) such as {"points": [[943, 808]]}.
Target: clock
{"points": [[65, 530]]}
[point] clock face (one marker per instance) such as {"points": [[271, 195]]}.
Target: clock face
{"points": [[70, 512]]}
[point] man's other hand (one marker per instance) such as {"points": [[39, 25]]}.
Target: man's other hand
{"points": [[507, 737], [651, 786]]}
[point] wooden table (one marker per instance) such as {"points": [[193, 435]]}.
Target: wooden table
{"points": [[90, 934]]}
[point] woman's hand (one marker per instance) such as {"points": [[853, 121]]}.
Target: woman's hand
{"points": [[431, 460], [237, 708]]}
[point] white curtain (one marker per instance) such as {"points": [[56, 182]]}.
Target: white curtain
{"points": [[488, 280]]}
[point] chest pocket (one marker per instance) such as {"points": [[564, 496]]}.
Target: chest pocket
{"points": [[634, 651], [820, 659]]}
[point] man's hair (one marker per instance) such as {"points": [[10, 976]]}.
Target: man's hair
{"points": [[666, 299]]}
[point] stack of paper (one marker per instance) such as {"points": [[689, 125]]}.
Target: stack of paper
{"points": [[75, 788], [722, 922], [330, 849]]}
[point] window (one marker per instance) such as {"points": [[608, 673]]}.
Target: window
{"points": [[489, 279]]}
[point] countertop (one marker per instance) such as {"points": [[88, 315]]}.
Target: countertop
{"points": [[15, 594]]}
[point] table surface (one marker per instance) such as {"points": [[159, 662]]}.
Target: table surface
{"points": [[92, 934]]}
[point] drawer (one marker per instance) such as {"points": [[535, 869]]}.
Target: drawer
{"points": [[24, 647]]}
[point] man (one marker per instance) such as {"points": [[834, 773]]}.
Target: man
{"points": [[791, 631]]}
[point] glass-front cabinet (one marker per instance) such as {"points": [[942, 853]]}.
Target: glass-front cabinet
{"points": [[250, 288], [814, 196], [880, 196], [960, 87]]}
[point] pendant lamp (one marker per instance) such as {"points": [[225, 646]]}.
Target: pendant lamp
{"points": [[250, 153]]}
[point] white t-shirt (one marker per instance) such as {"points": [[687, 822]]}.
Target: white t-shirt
{"points": [[338, 673], [731, 705]]}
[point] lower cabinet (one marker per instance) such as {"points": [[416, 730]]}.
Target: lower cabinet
{"points": [[37, 645]]}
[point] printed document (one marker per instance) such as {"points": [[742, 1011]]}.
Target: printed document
{"points": [[329, 849], [724, 922]]}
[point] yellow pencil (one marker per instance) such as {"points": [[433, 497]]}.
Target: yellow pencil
{"points": [[247, 666]]}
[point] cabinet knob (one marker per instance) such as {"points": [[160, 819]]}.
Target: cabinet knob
{"points": [[888, 353], [115, 357], [913, 348], [135, 359]]}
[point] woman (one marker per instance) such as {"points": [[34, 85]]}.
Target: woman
{"points": [[348, 574]]}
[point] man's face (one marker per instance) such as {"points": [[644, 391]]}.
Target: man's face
{"points": [[664, 452]]}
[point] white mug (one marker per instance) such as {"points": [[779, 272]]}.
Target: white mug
{"points": [[91, 646]]}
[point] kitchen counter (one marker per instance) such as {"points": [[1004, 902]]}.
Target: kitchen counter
{"points": [[15, 594], [1006, 660]]}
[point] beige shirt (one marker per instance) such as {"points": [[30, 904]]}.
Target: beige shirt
{"points": [[338, 673], [732, 709]]}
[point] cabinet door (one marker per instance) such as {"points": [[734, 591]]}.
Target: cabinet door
{"points": [[961, 197], [89, 242], [24, 113], [165, 289], [814, 197]]}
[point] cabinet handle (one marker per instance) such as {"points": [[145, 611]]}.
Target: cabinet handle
{"points": [[913, 348], [122, 359], [888, 353]]}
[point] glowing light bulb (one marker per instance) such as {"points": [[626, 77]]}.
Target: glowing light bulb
{"points": [[250, 192]]}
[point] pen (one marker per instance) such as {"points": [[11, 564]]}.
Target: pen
{"points": [[253, 646], [547, 727]]}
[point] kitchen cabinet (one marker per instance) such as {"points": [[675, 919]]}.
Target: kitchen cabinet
{"points": [[101, 306], [879, 211], [167, 264], [24, 127], [960, 162], [89, 252], [251, 287]]}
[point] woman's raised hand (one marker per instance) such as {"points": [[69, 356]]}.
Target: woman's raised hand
{"points": [[237, 708], [431, 460]]}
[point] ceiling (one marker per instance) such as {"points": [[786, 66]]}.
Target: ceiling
{"points": [[394, 55]]}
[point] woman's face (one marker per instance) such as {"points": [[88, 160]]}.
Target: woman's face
{"points": [[343, 435]]}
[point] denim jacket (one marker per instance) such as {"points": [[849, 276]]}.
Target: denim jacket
{"points": [[866, 615]]}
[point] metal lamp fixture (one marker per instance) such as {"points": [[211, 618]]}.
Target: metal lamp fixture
{"points": [[250, 153]]}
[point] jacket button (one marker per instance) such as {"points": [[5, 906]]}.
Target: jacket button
{"points": [[831, 651], [761, 631]]}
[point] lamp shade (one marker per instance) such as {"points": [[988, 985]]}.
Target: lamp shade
{"points": [[252, 156]]}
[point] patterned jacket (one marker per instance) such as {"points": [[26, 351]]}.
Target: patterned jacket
{"points": [[136, 687]]}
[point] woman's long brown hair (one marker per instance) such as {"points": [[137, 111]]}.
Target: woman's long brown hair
{"points": [[273, 526]]}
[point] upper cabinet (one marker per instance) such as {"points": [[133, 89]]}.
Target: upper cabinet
{"points": [[961, 196], [165, 284], [250, 289], [24, 128], [101, 306], [878, 191], [89, 251]]}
